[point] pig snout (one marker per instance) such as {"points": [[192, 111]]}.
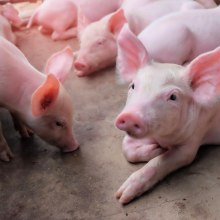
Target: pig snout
{"points": [[80, 65], [132, 124], [71, 146]]}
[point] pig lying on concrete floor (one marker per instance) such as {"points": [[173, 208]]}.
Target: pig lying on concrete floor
{"points": [[61, 19], [170, 112], [98, 47], [36, 101]]}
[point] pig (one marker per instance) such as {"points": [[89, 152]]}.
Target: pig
{"points": [[73, 15], [195, 33], [171, 110], [98, 48], [56, 18], [37, 102]]}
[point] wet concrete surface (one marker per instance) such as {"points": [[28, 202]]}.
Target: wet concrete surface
{"points": [[41, 183]]}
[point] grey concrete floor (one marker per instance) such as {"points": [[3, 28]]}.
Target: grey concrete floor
{"points": [[41, 183]]}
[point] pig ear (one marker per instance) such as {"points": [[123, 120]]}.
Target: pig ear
{"points": [[44, 97], [11, 14], [116, 21], [203, 75], [60, 63], [132, 55]]}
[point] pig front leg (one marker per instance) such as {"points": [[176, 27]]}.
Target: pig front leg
{"points": [[24, 131], [154, 171], [65, 35], [5, 152], [140, 150]]}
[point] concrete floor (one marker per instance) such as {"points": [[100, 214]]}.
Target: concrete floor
{"points": [[43, 184]]}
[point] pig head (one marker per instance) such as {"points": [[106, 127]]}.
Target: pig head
{"points": [[171, 110], [98, 47]]}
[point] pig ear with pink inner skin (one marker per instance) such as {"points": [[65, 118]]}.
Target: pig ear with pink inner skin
{"points": [[44, 97], [60, 63], [116, 22], [132, 55], [203, 73]]}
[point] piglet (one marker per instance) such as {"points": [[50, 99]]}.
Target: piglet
{"points": [[37, 102], [170, 112], [56, 18], [98, 47], [195, 33]]}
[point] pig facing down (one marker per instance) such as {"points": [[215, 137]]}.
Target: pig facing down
{"points": [[171, 111], [37, 102], [98, 48]]}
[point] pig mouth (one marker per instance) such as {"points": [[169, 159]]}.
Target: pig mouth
{"points": [[134, 135]]}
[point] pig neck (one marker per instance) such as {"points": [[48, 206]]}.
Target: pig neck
{"points": [[191, 129], [28, 81]]}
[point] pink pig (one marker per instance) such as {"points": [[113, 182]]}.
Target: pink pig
{"points": [[36, 101], [98, 48], [170, 112], [63, 19], [192, 29], [57, 18]]}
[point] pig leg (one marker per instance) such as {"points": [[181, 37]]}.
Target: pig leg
{"points": [[154, 171], [143, 150], [44, 30], [70, 33], [5, 152], [24, 131]]}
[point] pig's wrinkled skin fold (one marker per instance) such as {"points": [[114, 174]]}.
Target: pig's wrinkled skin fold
{"points": [[38, 103], [171, 110]]}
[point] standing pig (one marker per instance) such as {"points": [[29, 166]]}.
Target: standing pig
{"points": [[98, 47], [195, 33], [170, 112], [38, 102]]}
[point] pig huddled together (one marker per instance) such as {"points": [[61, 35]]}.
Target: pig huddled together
{"points": [[167, 50]]}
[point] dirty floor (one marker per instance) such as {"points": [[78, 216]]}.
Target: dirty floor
{"points": [[43, 184]]}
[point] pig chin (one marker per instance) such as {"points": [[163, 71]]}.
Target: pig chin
{"points": [[135, 135]]}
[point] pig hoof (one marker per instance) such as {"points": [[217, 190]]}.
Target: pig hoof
{"points": [[6, 155]]}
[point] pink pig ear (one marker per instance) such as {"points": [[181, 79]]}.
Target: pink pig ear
{"points": [[9, 12], [204, 76], [60, 63], [45, 95], [132, 55], [116, 21]]}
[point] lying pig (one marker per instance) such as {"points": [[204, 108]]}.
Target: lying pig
{"points": [[98, 48], [71, 13], [170, 112], [36, 101], [57, 18], [195, 33]]}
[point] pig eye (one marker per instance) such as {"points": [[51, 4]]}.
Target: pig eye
{"points": [[59, 124], [131, 86], [173, 97]]}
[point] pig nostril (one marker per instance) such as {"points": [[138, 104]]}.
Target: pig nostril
{"points": [[122, 121], [79, 66], [137, 126]]}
